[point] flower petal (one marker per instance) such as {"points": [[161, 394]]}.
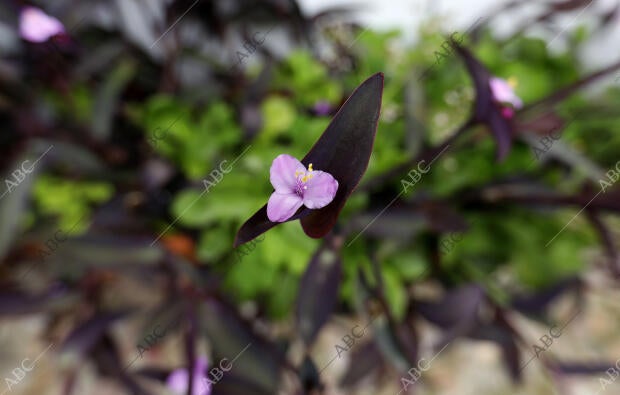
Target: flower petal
{"points": [[503, 92], [282, 173], [321, 189], [177, 381], [282, 206], [201, 365], [36, 26]]}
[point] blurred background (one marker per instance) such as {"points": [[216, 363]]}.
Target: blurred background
{"points": [[136, 137]]}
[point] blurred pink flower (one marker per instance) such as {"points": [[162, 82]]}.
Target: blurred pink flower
{"points": [[503, 92], [295, 186], [36, 26], [322, 108], [178, 380]]}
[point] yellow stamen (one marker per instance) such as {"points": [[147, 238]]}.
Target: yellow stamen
{"points": [[512, 81], [308, 175]]}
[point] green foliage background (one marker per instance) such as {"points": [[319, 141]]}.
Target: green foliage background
{"points": [[198, 137]]}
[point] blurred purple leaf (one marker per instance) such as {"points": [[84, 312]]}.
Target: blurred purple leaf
{"points": [[106, 356], [538, 303], [85, 335], [505, 340], [14, 302], [366, 358], [486, 110], [457, 308], [258, 362], [584, 368], [309, 376], [322, 277], [236, 383]]}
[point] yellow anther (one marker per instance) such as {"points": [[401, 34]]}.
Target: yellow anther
{"points": [[307, 176], [512, 82]]}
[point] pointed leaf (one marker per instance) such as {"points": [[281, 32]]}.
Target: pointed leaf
{"points": [[485, 108], [257, 361], [367, 358], [343, 150], [507, 343], [457, 308], [15, 302], [322, 277], [86, 335]]}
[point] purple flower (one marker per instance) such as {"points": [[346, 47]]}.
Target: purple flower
{"points": [[322, 108], [295, 186], [178, 380], [36, 26], [503, 93]]}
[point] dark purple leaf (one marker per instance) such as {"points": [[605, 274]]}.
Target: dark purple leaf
{"points": [[235, 383], [505, 340], [397, 345], [12, 206], [569, 5], [456, 308], [585, 368], [486, 110], [366, 359], [560, 95], [13, 302], [548, 122], [154, 373], [610, 17], [82, 339], [190, 340], [609, 200], [343, 150], [396, 223], [538, 303], [403, 220], [309, 376], [106, 356], [322, 277], [607, 239], [501, 129], [258, 362], [442, 218], [397, 342]]}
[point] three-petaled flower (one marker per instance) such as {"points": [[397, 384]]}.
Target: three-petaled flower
{"points": [[178, 380], [296, 186], [37, 27], [503, 93]]}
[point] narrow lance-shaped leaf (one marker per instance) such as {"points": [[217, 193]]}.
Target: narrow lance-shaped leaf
{"points": [[457, 307], [505, 340], [343, 151], [486, 110], [17, 302], [258, 363], [86, 335], [322, 277]]}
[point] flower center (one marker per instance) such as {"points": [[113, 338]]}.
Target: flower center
{"points": [[302, 178]]}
